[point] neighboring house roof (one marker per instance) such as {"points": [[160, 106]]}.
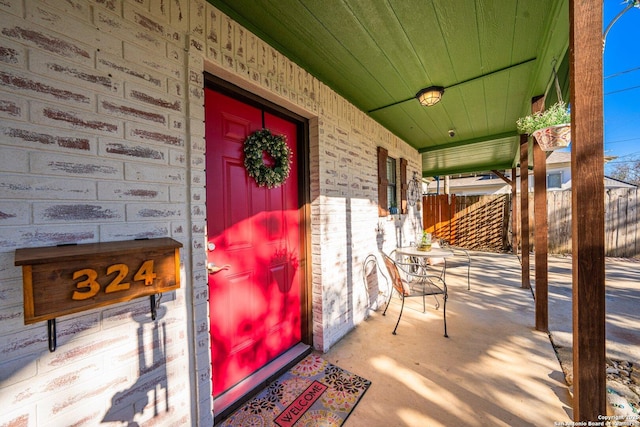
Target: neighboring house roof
{"points": [[558, 157], [613, 182], [477, 181], [557, 161]]}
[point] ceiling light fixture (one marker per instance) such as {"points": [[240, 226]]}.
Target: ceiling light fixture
{"points": [[430, 96], [439, 90]]}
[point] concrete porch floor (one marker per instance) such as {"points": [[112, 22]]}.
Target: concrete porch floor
{"points": [[494, 369]]}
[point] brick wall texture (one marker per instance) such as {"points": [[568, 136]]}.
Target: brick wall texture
{"points": [[102, 139]]}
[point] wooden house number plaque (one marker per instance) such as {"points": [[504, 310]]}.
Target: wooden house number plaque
{"points": [[68, 279]]}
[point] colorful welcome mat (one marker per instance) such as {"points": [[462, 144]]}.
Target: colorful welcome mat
{"points": [[313, 393]]}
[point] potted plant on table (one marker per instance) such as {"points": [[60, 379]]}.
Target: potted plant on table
{"points": [[551, 127], [425, 242]]}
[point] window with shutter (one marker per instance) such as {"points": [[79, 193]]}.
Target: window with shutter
{"points": [[392, 194], [382, 182], [403, 187]]}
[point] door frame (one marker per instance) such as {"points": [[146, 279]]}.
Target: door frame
{"points": [[304, 189]]}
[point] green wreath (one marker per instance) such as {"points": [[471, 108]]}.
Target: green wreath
{"points": [[276, 146]]}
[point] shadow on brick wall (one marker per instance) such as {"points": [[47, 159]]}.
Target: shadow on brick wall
{"points": [[150, 391]]}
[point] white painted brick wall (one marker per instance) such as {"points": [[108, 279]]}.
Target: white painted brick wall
{"points": [[102, 139], [93, 145], [63, 117], [45, 64], [122, 69], [25, 134]]}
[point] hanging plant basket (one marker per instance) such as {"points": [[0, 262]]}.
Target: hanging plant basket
{"points": [[553, 137]]}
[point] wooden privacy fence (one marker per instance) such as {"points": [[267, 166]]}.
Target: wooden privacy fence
{"points": [[620, 222], [483, 222], [472, 222]]}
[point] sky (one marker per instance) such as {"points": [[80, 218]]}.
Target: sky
{"points": [[621, 83]]}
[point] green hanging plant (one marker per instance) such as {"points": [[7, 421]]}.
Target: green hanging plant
{"points": [[557, 114]]}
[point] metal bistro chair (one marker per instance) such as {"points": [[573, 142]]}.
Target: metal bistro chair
{"points": [[411, 280], [461, 257]]}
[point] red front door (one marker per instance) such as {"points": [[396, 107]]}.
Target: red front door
{"points": [[253, 236]]}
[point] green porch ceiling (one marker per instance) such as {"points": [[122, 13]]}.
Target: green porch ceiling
{"points": [[492, 57]]}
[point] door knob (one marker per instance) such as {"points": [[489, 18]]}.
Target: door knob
{"points": [[215, 269]]}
